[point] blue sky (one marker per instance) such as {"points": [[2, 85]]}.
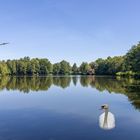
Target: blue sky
{"points": [[74, 30]]}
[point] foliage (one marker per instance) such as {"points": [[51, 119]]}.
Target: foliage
{"points": [[127, 65], [84, 68], [109, 66], [74, 69], [56, 68], [132, 59], [65, 67], [3, 68], [128, 74]]}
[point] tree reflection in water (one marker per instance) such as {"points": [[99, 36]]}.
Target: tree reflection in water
{"points": [[129, 87]]}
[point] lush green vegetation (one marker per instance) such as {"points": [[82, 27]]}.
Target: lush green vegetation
{"points": [[131, 63], [109, 66], [127, 65]]}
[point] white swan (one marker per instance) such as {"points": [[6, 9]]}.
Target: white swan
{"points": [[106, 119]]}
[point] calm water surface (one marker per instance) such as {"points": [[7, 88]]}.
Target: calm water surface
{"points": [[67, 108]]}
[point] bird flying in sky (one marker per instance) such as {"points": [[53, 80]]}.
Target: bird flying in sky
{"points": [[5, 43]]}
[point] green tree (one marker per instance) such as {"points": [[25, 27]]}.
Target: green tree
{"points": [[45, 66], [84, 68], [56, 68], [74, 69], [109, 66], [3, 68], [132, 59], [12, 67], [65, 67]]}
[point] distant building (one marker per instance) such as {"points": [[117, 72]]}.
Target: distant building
{"points": [[91, 72]]}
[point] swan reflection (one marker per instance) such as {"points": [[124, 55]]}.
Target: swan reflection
{"points": [[106, 119]]}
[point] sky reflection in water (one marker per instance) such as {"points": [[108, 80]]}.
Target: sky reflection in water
{"points": [[60, 108]]}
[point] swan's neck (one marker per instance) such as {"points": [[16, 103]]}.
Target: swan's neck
{"points": [[105, 117], [106, 112]]}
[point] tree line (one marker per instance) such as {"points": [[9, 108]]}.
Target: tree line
{"points": [[128, 64], [35, 66]]}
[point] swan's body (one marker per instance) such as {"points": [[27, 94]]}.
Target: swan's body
{"points": [[106, 119]]}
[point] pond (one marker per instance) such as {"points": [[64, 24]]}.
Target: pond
{"points": [[69, 108]]}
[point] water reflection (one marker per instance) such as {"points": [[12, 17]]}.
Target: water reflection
{"points": [[106, 119], [128, 87]]}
